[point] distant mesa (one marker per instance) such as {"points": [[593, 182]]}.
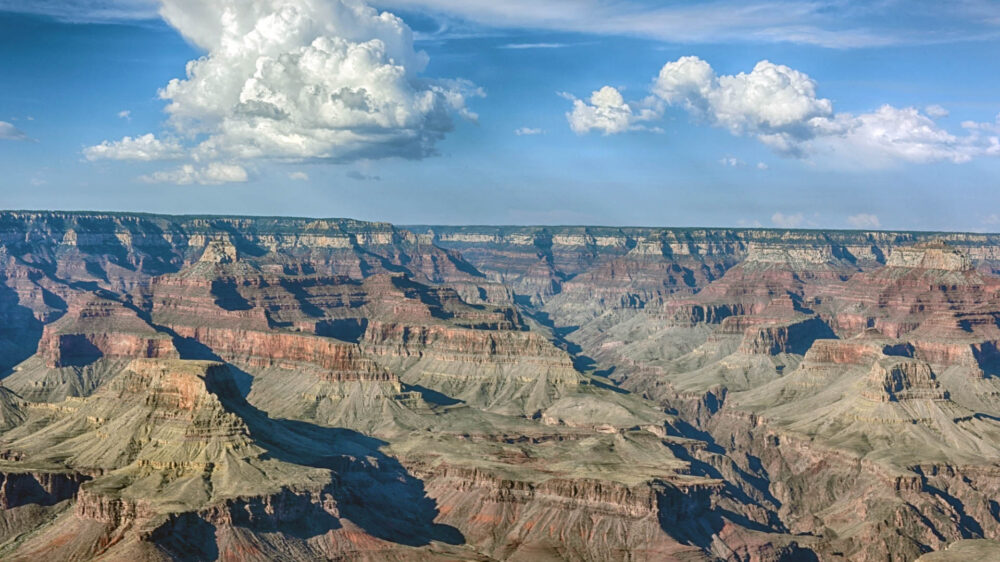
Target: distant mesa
{"points": [[766, 253], [220, 251], [930, 255]]}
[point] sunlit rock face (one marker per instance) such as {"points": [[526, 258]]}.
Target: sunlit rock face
{"points": [[302, 389], [930, 255]]}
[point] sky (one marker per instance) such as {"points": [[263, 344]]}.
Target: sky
{"points": [[777, 113]]}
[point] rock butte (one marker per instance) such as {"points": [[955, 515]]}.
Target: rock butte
{"points": [[241, 388]]}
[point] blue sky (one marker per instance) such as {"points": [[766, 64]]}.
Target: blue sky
{"points": [[874, 114]]}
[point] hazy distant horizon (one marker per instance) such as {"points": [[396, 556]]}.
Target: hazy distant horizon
{"points": [[414, 226]]}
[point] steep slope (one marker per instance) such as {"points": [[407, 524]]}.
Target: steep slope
{"points": [[175, 463]]}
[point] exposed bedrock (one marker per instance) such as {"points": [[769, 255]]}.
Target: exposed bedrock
{"points": [[855, 352], [64, 350], [43, 488], [895, 379], [786, 337], [859, 509], [338, 361], [563, 393], [587, 519]]}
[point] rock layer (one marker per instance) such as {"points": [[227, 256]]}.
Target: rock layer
{"points": [[264, 388]]}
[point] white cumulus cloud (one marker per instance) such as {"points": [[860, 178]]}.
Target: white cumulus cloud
{"points": [[298, 176], [214, 173], [608, 112], [299, 80], [781, 108], [776, 103], [890, 133], [864, 221]]}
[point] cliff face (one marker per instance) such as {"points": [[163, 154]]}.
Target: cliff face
{"points": [[266, 388], [98, 328], [519, 520], [636, 266]]}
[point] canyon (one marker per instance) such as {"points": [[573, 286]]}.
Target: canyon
{"points": [[261, 388]]}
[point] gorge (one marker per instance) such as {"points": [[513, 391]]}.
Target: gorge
{"points": [[259, 388]]}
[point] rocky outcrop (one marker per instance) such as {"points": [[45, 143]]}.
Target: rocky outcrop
{"points": [[64, 350], [857, 351], [592, 520], [689, 314], [475, 345], [114, 512], [502, 371], [580, 519], [894, 380], [795, 336], [101, 328], [935, 255], [339, 361], [42, 488]]}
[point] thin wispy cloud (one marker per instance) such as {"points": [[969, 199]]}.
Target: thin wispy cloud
{"points": [[936, 111], [783, 220], [9, 132], [827, 23], [86, 11], [534, 45], [215, 173], [864, 221], [361, 176]]}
